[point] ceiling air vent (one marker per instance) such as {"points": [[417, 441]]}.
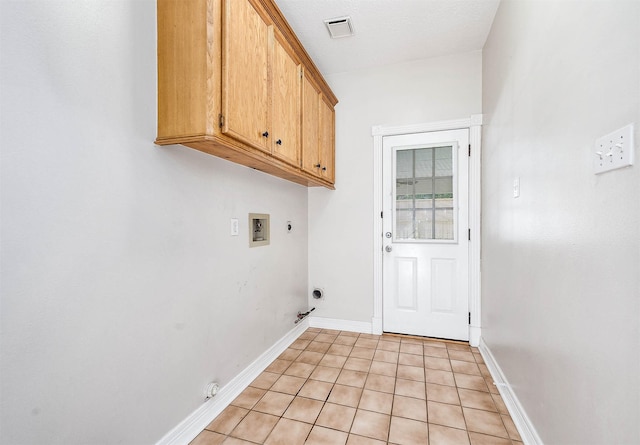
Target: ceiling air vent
{"points": [[339, 27]]}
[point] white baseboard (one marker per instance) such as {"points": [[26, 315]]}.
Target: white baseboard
{"points": [[340, 325], [190, 427], [526, 429]]}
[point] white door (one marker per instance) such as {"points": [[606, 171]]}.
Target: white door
{"points": [[425, 234]]}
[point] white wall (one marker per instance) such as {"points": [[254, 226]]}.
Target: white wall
{"points": [[123, 294], [561, 263], [341, 222]]}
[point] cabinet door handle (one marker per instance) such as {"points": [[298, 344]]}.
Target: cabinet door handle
{"points": [[317, 165], [324, 169], [265, 134], [279, 142]]}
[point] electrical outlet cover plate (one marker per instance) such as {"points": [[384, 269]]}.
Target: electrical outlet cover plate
{"points": [[614, 150]]}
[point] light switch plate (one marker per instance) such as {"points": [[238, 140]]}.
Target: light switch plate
{"points": [[614, 150], [234, 227], [516, 187]]}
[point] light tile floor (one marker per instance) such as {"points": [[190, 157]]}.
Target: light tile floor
{"points": [[337, 388]]}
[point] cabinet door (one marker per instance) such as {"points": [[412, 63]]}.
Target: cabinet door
{"points": [[327, 141], [310, 127], [285, 94], [245, 73]]}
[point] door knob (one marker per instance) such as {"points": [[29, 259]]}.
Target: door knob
{"points": [[388, 234], [388, 248]]}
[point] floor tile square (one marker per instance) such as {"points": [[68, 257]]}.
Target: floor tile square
{"points": [[435, 344], [483, 439], [315, 389], [465, 356], [310, 357], [366, 343], [333, 361], [379, 402], [235, 441], [411, 373], [318, 346], [380, 383], [476, 399], [337, 417], [265, 380], [289, 432], [459, 347], [465, 367], [325, 374], [370, 424], [442, 364], [410, 359], [386, 356], [443, 435], [325, 436], [359, 440], [471, 382], [290, 354], [299, 344], [412, 348], [447, 415], [337, 349], [434, 351], [227, 420], [386, 345], [304, 410], [383, 368], [365, 353], [439, 377], [408, 432], [352, 378], [208, 438], [410, 388], [248, 398], [274, 403], [500, 406], [345, 340], [299, 369], [345, 395], [288, 384], [327, 338], [307, 335], [255, 427], [357, 364], [485, 422], [278, 366], [410, 408], [443, 394]]}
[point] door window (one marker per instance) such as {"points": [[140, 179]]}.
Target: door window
{"points": [[425, 194]]}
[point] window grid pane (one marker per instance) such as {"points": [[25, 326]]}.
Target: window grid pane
{"points": [[424, 194]]}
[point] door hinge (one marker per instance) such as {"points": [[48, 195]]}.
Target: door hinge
{"points": [[469, 149], [469, 318], [469, 234], [221, 120]]}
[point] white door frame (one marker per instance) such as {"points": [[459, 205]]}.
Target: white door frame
{"points": [[474, 124]]}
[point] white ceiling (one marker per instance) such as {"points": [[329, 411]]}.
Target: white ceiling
{"points": [[388, 31]]}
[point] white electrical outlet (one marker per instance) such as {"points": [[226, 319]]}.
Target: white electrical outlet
{"points": [[234, 227], [614, 150], [516, 187]]}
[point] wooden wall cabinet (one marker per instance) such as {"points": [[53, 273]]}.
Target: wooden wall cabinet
{"points": [[232, 78]]}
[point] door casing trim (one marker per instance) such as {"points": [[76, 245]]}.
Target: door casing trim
{"points": [[474, 124]]}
